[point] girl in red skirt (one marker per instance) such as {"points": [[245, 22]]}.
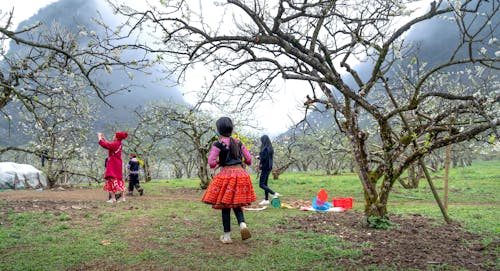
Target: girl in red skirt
{"points": [[232, 187], [114, 173]]}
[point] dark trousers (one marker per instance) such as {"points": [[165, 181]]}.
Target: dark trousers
{"points": [[133, 181], [226, 217], [264, 177]]}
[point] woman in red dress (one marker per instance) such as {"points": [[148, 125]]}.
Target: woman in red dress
{"points": [[232, 187], [114, 173]]}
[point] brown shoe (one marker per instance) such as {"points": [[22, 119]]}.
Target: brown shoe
{"points": [[245, 233]]}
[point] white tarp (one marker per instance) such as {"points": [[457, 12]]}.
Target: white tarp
{"points": [[19, 176]]}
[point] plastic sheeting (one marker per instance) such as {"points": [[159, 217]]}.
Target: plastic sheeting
{"points": [[21, 176]]}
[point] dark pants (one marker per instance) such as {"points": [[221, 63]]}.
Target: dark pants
{"points": [[264, 177], [226, 217], [133, 181], [118, 195]]}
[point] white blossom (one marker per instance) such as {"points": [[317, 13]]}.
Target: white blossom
{"points": [[108, 68]]}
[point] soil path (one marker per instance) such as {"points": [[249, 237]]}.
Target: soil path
{"points": [[416, 243], [92, 194]]}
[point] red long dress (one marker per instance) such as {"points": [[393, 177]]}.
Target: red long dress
{"points": [[114, 173]]}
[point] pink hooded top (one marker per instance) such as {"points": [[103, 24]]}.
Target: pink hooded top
{"points": [[213, 156]]}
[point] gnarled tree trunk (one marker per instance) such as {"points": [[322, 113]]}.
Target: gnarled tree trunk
{"points": [[202, 159]]}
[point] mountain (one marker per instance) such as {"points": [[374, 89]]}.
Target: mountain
{"points": [[433, 42]]}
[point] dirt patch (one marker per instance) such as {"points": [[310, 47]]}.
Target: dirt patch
{"points": [[77, 194], [183, 193], [414, 242]]}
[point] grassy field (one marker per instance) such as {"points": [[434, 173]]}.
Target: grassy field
{"points": [[170, 229]]}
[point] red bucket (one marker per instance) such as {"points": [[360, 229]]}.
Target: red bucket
{"points": [[345, 203]]}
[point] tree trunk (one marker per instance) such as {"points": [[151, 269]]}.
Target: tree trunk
{"points": [[190, 168], [51, 177], [51, 180], [147, 170], [278, 171], [468, 161], [184, 167], [375, 206], [177, 172], [160, 162], [446, 176], [329, 166], [202, 158], [276, 174], [414, 176], [351, 167], [434, 192]]}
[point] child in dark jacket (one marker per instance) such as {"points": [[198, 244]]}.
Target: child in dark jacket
{"points": [[133, 176], [265, 166]]}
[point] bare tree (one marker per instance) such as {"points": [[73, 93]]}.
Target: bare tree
{"points": [[192, 131], [324, 144], [147, 136], [49, 63], [44, 50], [320, 42], [284, 154], [60, 130]]}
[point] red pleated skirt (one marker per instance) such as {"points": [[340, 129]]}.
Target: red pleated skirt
{"points": [[114, 185], [230, 188]]}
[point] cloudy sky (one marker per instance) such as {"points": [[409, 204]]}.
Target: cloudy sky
{"points": [[275, 117], [23, 9]]}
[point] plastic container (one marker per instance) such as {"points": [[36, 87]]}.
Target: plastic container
{"points": [[276, 202], [345, 203], [320, 205]]}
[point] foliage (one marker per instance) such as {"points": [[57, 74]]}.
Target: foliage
{"points": [[323, 147], [244, 139], [60, 131], [183, 133], [71, 239], [51, 82], [393, 116], [42, 51], [379, 222]]}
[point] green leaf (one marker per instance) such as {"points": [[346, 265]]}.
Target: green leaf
{"points": [[413, 60]]}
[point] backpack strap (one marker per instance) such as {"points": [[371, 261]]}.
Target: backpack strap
{"points": [[117, 150], [220, 145]]}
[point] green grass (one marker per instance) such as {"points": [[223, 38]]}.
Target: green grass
{"points": [[45, 242], [179, 235]]}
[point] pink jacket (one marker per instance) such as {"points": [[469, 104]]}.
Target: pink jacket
{"points": [[114, 163], [213, 156]]}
